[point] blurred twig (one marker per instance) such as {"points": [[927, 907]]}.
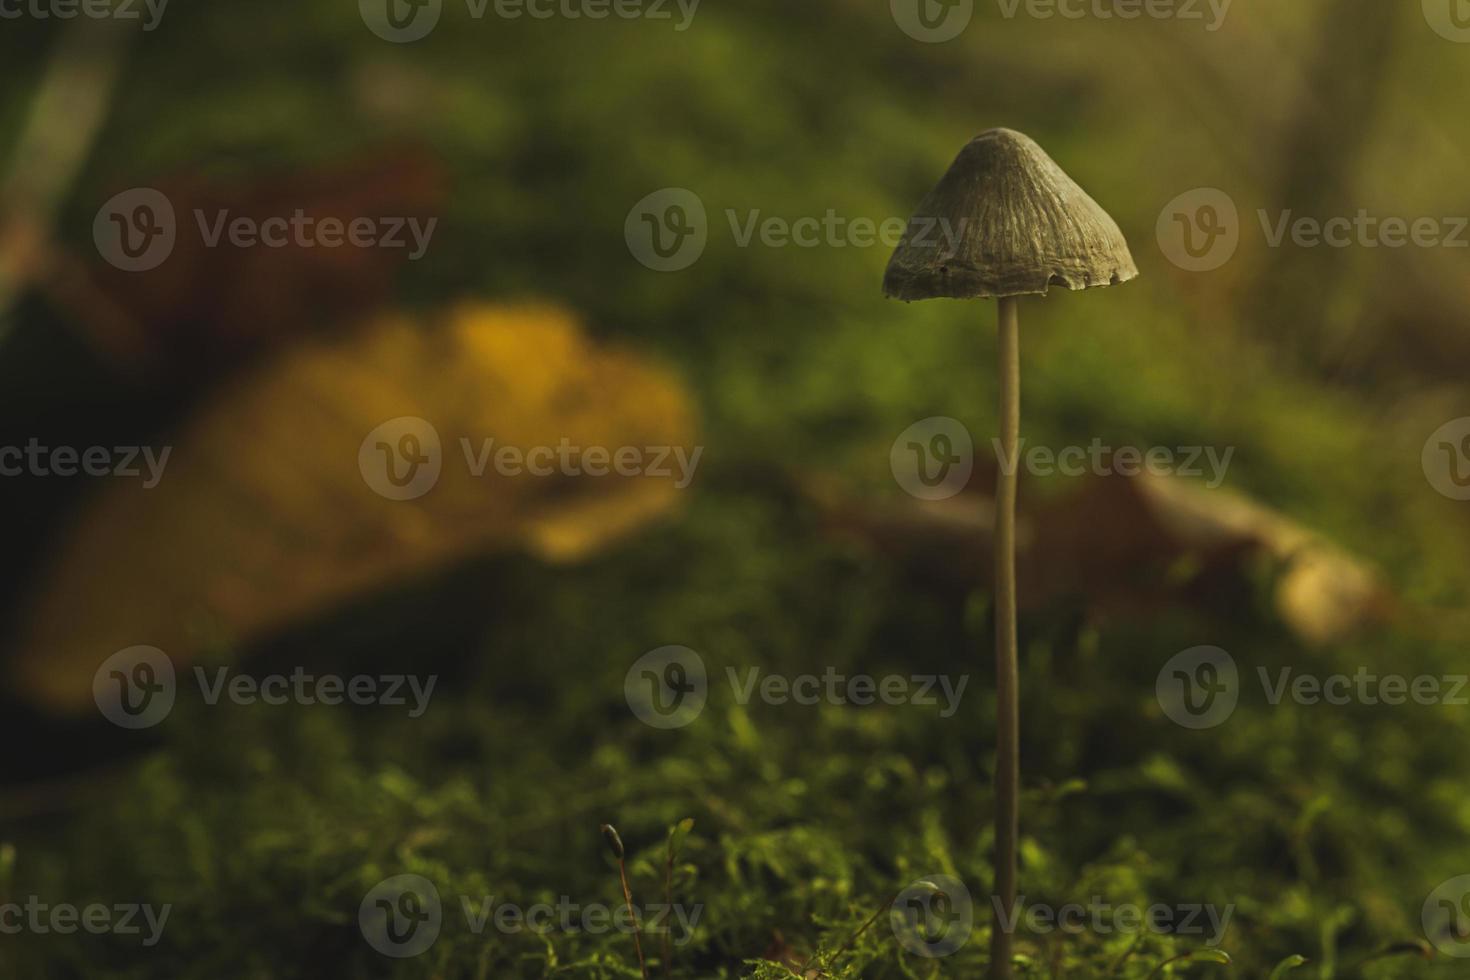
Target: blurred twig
{"points": [[57, 796], [1318, 168], [70, 104]]}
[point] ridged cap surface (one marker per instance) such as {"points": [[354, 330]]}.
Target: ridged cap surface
{"points": [[1005, 220]]}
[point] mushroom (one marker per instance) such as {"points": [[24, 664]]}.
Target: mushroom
{"points": [[1005, 221]]}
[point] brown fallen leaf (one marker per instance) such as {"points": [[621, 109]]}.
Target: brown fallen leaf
{"points": [[1127, 545], [267, 512], [1323, 593], [204, 308]]}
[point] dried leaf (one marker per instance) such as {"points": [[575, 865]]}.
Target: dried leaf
{"points": [[206, 307], [267, 512], [1130, 545]]}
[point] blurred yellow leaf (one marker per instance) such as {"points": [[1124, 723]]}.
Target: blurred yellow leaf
{"points": [[272, 505]]}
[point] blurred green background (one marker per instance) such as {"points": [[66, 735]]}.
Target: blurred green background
{"points": [[1326, 828]]}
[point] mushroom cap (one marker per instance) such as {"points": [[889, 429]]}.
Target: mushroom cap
{"points": [[1005, 220]]}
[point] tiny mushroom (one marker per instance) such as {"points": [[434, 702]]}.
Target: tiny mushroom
{"points": [[1014, 224]]}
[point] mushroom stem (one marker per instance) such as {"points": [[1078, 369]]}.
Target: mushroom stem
{"points": [[1007, 683]]}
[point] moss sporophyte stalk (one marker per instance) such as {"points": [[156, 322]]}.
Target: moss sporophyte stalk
{"points": [[615, 845]]}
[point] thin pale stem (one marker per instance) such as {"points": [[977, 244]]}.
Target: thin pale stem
{"points": [[628, 899], [1007, 683], [668, 907]]}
